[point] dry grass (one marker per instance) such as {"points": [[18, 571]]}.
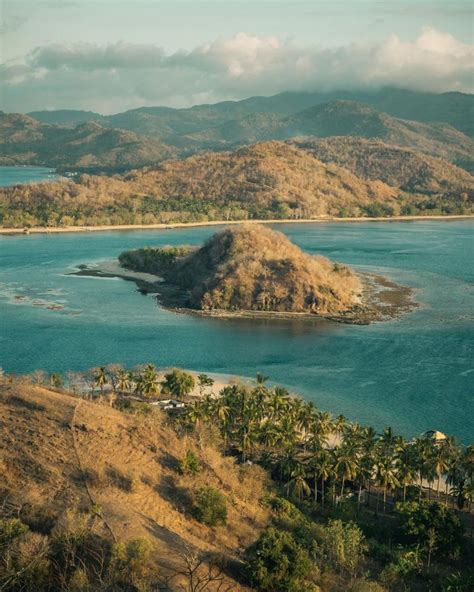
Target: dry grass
{"points": [[130, 465]]}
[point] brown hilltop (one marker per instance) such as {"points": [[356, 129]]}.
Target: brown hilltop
{"points": [[254, 268]]}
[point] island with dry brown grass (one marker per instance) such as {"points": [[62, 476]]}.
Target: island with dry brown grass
{"points": [[253, 271]]}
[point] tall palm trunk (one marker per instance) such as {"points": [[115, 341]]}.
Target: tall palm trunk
{"points": [[315, 488], [404, 492], [322, 493], [437, 489], [421, 486], [384, 498], [342, 486]]}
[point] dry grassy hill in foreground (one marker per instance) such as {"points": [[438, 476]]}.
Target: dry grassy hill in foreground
{"points": [[49, 442]]}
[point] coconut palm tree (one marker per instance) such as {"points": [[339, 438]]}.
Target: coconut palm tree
{"points": [[440, 463], [298, 482], [406, 466], [101, 379], [124, 381], [422, 447], [386, 475], [326, 470], [146, 383], [345, 463]]}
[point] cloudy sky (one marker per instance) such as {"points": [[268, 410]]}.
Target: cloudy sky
{"points": [[112, 55]]}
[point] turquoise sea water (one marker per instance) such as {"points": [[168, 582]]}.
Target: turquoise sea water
{"points": [[415, 373], [27, 174]]}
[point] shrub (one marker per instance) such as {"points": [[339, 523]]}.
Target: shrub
{"points": [[10, 529], [210, 506], [277, 562], [190, 464], [431, 526], [26, 563], [342, 546], [131, 560]]}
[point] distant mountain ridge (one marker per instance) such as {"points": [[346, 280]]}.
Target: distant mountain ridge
{"points": [[454, 108], [342, 118], [88, 146]]}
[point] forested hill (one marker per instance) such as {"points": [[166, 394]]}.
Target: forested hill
{"points": [[92, 142], [454, 108], [264, 181], [340, 118], [88, 146]]}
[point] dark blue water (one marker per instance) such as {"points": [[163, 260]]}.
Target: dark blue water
{"points": [[27, 174], [415, 373]]}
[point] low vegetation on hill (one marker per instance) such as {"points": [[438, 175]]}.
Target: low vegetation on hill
{"points": [[243, 489], [252, 268], [405, 168], [271, 180]]}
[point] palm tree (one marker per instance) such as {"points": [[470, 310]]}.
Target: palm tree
{"points": [[146, 383], [406, 466], [368, 456], [440, 464], [346, 464], [124, 381], [386, 475], [261, 379], [298, 482], [422, 447], [326, 470], [101, 379]]}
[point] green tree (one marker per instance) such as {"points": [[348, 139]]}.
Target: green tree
{"points": [[422, 523], [343, 546], [178, 383], [276, 563]]}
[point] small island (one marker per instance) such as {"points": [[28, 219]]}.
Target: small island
{"points": [[252, 271]]}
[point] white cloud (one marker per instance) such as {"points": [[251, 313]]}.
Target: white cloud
{"points": [[122, 75]]}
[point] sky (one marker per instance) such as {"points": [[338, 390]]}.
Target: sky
{"points": [[112, 55]]}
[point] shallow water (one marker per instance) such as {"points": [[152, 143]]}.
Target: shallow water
{"points": [[15, 175], [415, 373]]}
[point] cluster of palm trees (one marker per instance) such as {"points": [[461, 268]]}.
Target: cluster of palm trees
{"points": [[320, 457], [144, 382]]}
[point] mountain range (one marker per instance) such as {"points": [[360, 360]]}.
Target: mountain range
{"points": [[88, 141]]}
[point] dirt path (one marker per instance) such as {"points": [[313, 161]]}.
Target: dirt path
{"points": [[81, 468]]}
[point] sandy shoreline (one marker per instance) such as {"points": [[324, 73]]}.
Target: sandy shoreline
{"points": [[322, 219]]}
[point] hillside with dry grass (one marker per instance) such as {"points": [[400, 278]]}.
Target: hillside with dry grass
{"points": [[405, 168], [60, 453], [270, 180]]}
